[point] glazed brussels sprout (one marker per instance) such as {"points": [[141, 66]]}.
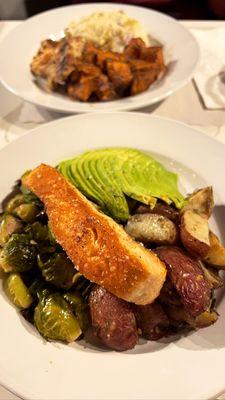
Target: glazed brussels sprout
{"points": [[8, 225], [54, 319], [15, 202], [39, 289], [38, 231], [19, 254], [27, 212], [58, 270], [16, 291], [79, 307]]}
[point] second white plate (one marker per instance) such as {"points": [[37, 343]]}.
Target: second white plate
{"points": [[20, 45]]}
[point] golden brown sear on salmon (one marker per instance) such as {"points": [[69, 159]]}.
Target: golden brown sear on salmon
{"points": [[87, 73]]}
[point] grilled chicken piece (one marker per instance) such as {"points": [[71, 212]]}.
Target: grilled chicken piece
{"points": [[67, 57], [43, 64], [99, 247], [120, 75]]}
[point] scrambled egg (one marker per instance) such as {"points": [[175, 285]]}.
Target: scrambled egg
{"points": [[109, 30]]}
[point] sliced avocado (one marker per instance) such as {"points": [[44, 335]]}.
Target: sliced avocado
{"points": [[105, 176]]}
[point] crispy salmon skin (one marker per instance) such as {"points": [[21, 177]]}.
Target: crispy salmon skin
{"points": [[99, 247]]}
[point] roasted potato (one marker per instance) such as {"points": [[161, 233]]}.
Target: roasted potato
{"points": [[152, 228], [113, 320], [212, 275], [168, 294], [179, 316], [188, 278], [152, 321], [162, 209], [201, 201], [216, 253], [194, 233]]}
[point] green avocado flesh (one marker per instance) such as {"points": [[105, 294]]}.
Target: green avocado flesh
{"points": [[105, 176]]}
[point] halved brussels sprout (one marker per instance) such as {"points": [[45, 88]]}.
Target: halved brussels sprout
{"points": [[54, 319], [79, 307], [19, 254], [38, 231], [15, 202], [23, 198], [58, 270], [8, 225], [16, 291], [27, 212], [39, 289]]}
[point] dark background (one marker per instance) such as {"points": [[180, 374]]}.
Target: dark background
{"points": [[188, 9]]}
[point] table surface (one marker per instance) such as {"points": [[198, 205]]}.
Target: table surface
{"points": [[18, 117]]}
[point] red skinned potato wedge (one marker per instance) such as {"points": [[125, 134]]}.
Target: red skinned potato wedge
{"points": [[152, 321], [212, 275], [113, 320], [194, 233], [216, 253], [179, 315], [188, 278], [201, 201]]}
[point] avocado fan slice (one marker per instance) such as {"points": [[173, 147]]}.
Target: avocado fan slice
{"points": [[105, 176]]}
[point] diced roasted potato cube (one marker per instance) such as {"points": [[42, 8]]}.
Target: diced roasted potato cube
{"points": [[105, 90], [83, 89], [133, 49], [120, 75], [154, 55]]}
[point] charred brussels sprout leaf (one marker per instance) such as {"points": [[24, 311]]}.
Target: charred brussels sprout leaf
{"points": [[8, 225], [79, 307], [18, 254], [54, 319], [27, 212], [58, 270], [16, 291]]}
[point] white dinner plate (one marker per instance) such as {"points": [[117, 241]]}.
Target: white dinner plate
{"points": [[21, 44], [190, 367]]}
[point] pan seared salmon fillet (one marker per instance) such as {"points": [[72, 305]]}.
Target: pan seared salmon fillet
{"points": [[99, 247]]}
